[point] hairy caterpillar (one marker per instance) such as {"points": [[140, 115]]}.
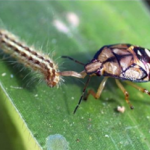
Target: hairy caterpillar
{"points": [[29, 57]]}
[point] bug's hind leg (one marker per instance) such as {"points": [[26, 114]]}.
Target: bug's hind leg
{"points": [[125, 92], [99, 91], [138, 87]]}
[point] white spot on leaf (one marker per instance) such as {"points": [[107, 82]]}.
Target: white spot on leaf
{"points": [[60, 26], [73, 19], [107, 136], [3, 74], [121, 109], [56, 142]]}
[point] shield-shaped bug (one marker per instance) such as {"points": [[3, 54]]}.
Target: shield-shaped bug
{"points": [[119, 61]]}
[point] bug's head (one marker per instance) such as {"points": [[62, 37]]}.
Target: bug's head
{"points": [[93, 67]]}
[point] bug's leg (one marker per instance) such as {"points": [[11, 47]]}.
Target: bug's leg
{"points": [[73, 74], [99, 91], [138, 87], [83, 92], [126, 94], [73, 60]]}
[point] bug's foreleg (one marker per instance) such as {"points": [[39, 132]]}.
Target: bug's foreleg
{"points": [[83, 92], [73, 74], [138, 87], [99, 91], [125, 92]]}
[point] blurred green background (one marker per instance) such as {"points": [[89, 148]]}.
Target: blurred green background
{"points": [[35, 116]]}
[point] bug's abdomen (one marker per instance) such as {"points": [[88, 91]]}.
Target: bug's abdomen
{"points": [[122, 61]]}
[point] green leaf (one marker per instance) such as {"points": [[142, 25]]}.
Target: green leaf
{"points": [[43, 115]]}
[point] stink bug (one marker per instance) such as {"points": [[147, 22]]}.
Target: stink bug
{"points": [[119, 61]]}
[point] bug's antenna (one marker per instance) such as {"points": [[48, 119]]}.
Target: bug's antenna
{"points": [[73, 60], [83, 92]]}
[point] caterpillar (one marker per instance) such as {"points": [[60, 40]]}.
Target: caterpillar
{"points": [[29, 57]]}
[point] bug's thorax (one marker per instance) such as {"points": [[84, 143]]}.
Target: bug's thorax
{"points": [[106, 62]]}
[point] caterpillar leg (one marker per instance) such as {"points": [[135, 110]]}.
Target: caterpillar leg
{"points": [[138, 87], [125, 92], [99, 91]]}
